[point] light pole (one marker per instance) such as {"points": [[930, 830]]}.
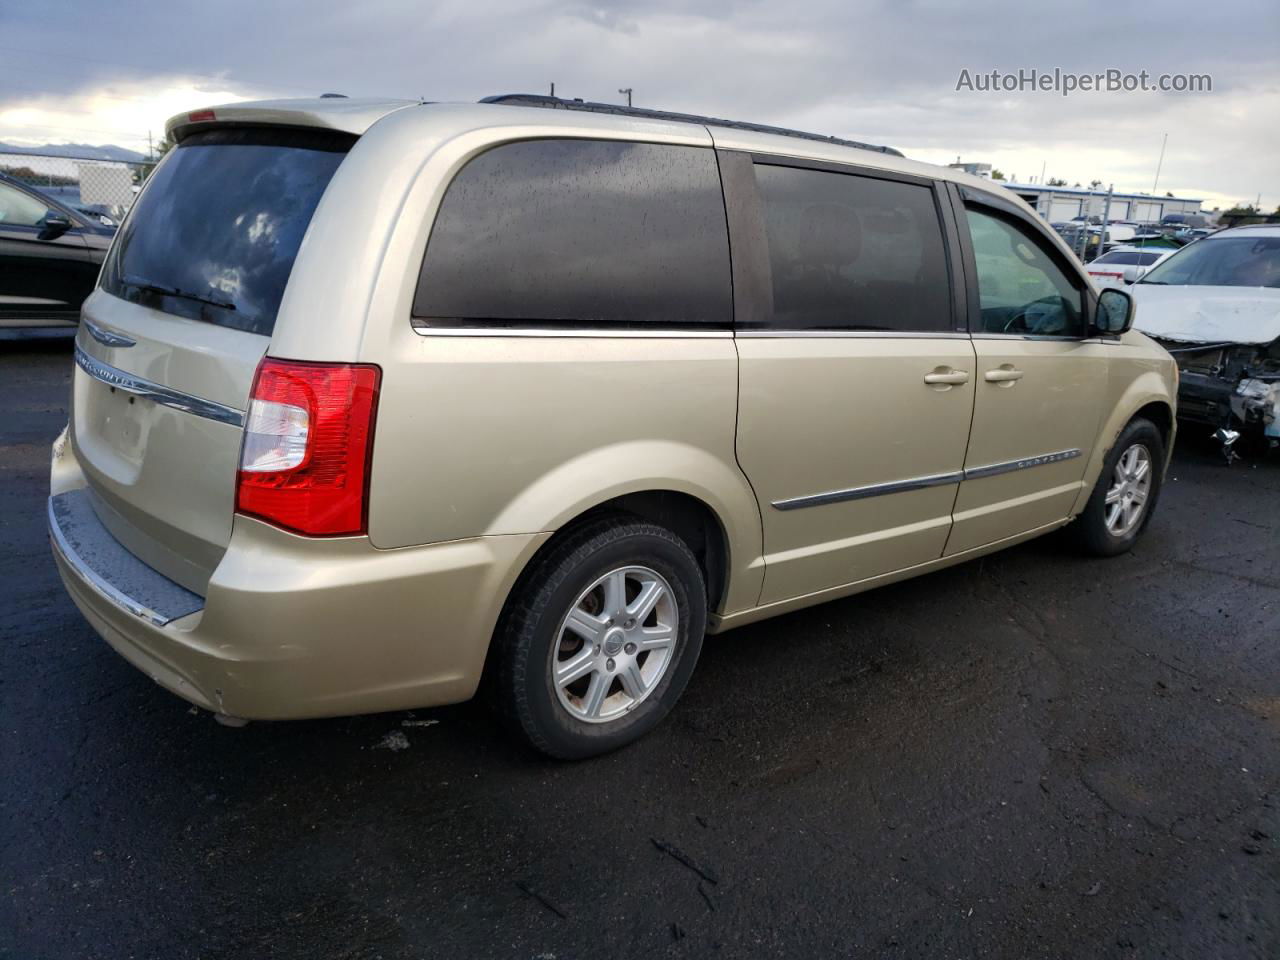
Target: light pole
{"points": [[627, 91]]}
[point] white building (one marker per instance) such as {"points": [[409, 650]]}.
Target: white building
{"points": [[1058, 204]]}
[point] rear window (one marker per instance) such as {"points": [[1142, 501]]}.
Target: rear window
{"points": [[580, 233], [215, 233]]}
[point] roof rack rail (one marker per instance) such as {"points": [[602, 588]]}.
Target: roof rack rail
{"points": [[588, 106]]}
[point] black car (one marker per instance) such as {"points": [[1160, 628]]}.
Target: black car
{"points": [[49, 260]]}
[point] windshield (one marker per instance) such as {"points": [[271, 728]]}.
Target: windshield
{"points": [[215, 233], [1240, 261]]}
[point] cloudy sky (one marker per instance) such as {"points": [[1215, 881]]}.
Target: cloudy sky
{"points": [[93, 72]]}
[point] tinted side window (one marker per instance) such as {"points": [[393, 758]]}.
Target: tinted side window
{"points": [[580, 232], [849, 252], [1022, 290]]}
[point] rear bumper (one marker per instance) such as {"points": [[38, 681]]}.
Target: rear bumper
{"points": [[293, 627]]}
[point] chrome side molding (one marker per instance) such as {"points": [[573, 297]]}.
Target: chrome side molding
{"points": [[115, 377], [107, 338], [425, 328], [920, 483], [1008, 466], [872, 490]]}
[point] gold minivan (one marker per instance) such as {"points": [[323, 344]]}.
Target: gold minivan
{"points": [[376, 399]]}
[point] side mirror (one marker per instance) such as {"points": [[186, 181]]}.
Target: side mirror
{"points": [[1115, 312], [53, 226]]}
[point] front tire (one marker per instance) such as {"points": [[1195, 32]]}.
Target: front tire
{"points": [[1126, 492], [600, 638]]}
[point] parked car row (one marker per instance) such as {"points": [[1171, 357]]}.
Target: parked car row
{"points": [[50, 254], [1215, 306], [1089, 239]]}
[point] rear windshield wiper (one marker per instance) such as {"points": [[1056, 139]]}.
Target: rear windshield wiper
{"points": [[141, 284]]}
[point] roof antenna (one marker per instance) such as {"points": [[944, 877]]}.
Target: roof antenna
{"points": [[553, 88], [333, 96]]}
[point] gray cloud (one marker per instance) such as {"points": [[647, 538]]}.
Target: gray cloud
{"points": [[883, 71]]}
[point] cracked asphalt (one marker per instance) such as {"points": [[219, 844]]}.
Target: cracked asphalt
{"points": [[1032, 755]]}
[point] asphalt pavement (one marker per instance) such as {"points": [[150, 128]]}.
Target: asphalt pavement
{"points": [[1031, 755]]}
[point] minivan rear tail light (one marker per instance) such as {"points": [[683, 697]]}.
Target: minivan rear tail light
{"points": [[308, 440]]}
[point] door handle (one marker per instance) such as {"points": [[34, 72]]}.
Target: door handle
{"points": [[1003, 374], [947, 376]]}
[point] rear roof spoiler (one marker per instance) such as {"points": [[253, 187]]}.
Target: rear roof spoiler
{"points": [[341, 114]]}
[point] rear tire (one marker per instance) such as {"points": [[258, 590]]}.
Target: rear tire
{"points": [[600, 638], [1125, 495]]}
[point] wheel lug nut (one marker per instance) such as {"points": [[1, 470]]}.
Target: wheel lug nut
{"points": [[629, 624], [609, 664], [630, 648]]}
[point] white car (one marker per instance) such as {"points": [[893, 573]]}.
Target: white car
{"points": [[1125, 265], [1215, 305]]}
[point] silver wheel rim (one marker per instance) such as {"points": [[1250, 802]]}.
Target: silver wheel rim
{"points": [[615, 644], [1130, 487]]}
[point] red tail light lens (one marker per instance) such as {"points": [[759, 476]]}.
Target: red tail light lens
{"points": [[308, 439]]}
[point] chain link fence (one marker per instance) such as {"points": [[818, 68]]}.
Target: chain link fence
{"points": [[99, 188]]}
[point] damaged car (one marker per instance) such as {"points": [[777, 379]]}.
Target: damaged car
{"points": [[1215, 306]]}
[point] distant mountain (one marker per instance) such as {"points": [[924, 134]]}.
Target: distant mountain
{"points": [[83, 151]]}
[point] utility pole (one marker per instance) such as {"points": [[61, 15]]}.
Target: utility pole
{"points": [[1106, 218], [627, 91], [151, 153]]}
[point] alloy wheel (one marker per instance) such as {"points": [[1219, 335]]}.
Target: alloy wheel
{"points": [[615, 644], [1126, 500]]}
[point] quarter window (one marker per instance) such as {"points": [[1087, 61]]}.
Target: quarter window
{"points": [[1022, 290], [849, 252], [580, 233]]}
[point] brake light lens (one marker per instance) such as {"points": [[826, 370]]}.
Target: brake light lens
{"points": [[308, 440]]}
